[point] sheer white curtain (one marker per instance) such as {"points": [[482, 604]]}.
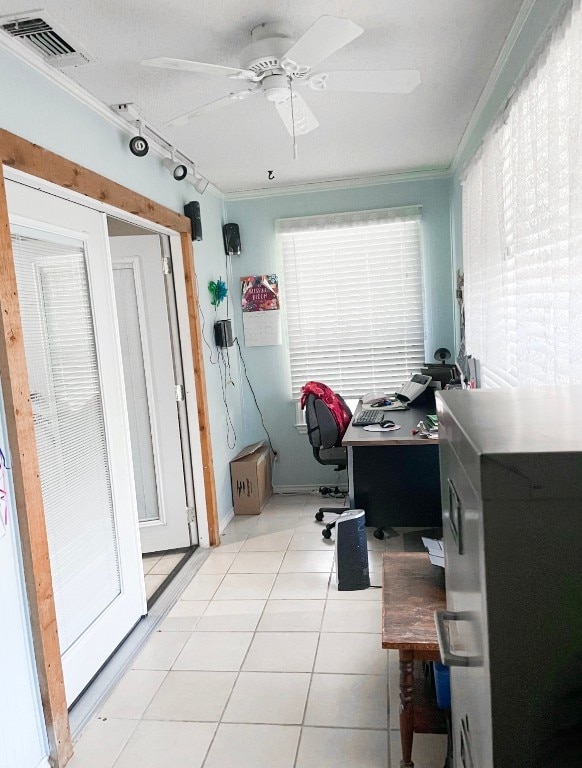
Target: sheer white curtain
{"points": [[522, 214]]}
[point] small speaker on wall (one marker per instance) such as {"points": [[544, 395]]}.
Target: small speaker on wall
{"points": [[192, 211], [223, 333], [231, 236]]}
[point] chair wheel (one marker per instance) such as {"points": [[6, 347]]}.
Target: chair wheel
{"points": [[326, 533], [379, 533], [319, 516]]}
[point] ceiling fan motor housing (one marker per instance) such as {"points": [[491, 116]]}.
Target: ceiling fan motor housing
{"points": [[269, 44]]}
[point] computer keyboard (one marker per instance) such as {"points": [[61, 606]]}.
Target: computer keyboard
{"points": [[369, 417]]}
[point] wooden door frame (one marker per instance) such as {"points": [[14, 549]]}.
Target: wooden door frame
{"points": [[22, 155]]}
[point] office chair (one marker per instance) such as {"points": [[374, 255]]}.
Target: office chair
{"points": [[325, 438]]}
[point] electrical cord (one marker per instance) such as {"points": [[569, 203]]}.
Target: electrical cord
{"points": [[230, 430], [224, 373], [212, 362], [253, 394]]}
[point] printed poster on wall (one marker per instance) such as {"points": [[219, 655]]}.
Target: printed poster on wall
{"points": [[261, 310]]}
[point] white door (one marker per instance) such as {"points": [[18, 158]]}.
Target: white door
{"points": [[23, 739], [67, 304], [150, 387]]}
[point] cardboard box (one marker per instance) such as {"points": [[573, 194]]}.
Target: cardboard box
{"points": [[250, 474]]}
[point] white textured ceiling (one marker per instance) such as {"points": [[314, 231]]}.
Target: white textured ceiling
{"points": [[453, 43]]}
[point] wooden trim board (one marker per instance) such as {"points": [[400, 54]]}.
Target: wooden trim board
{"points": [[23, 155], [201, 396]]}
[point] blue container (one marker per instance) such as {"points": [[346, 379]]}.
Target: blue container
{"points": [[442, 682]]}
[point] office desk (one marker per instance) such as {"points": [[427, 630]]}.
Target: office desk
{"points": [[394, 476], [412, 589]]}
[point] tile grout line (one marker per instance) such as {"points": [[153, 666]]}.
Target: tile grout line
{"points": [[238, 673], [311, 675], [249, 647], [327, 602], [125, 743]]}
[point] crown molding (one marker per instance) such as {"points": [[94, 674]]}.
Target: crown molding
{"points": [[36, 62], [347, 183], [493, 79]]}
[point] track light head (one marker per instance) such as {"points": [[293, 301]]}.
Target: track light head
{"points": [[200, 184], [139, 146], [179, 171]]}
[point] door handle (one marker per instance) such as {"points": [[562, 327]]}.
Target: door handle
{"points": [[453, 515], [448, 658]]}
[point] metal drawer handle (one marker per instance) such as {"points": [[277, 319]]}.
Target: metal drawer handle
{"points": [[447, 656], [454, 516]]}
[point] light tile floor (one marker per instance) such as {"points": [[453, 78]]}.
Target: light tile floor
{"points": [[262, 663], [156, 569]]}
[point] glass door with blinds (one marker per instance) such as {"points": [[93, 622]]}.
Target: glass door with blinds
{"points": [[74, 368], [151, 392]]}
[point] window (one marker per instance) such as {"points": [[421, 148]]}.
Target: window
{"points": [[522, 214], [353, 298]]}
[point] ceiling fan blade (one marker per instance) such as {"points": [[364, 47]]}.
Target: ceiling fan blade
{"points": [[210, 107], [185, 65], [304, 119], [390, 81], [326, 36]]}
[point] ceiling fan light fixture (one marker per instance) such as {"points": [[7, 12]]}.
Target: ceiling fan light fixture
{"points": [[276, 88]]}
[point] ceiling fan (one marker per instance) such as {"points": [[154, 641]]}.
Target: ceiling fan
{"points": [[273, 64]]}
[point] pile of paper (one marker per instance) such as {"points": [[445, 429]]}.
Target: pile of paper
{"points": [[436, 552]]}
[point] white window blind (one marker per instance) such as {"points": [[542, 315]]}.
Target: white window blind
{"points": [[522, 214], [354, 299], [63, 373]]}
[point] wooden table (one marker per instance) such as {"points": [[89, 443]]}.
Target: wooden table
{"points": [[412, 589], [394, 476]]}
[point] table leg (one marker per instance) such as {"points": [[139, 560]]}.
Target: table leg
{"points": [[406, 707]]}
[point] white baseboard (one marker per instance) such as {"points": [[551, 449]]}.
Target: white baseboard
{"points": [[224, 521]]}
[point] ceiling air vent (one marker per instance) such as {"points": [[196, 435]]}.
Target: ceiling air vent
{"points": [[47, 40]]}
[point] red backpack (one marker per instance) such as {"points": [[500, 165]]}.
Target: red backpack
{"points": [[334, 402]]}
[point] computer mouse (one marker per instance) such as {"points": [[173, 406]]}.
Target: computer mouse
{"points": [[386, 424]]}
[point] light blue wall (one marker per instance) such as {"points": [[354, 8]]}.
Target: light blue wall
{"points": [[542, 14], [268, 367], [211, 264], [39, 110]]}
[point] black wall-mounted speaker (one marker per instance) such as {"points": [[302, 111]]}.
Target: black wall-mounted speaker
{"points": [[231, 236], [192, 211], [223, 333]]}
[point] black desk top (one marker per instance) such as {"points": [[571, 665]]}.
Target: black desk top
{"points": [[358, 436]]}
